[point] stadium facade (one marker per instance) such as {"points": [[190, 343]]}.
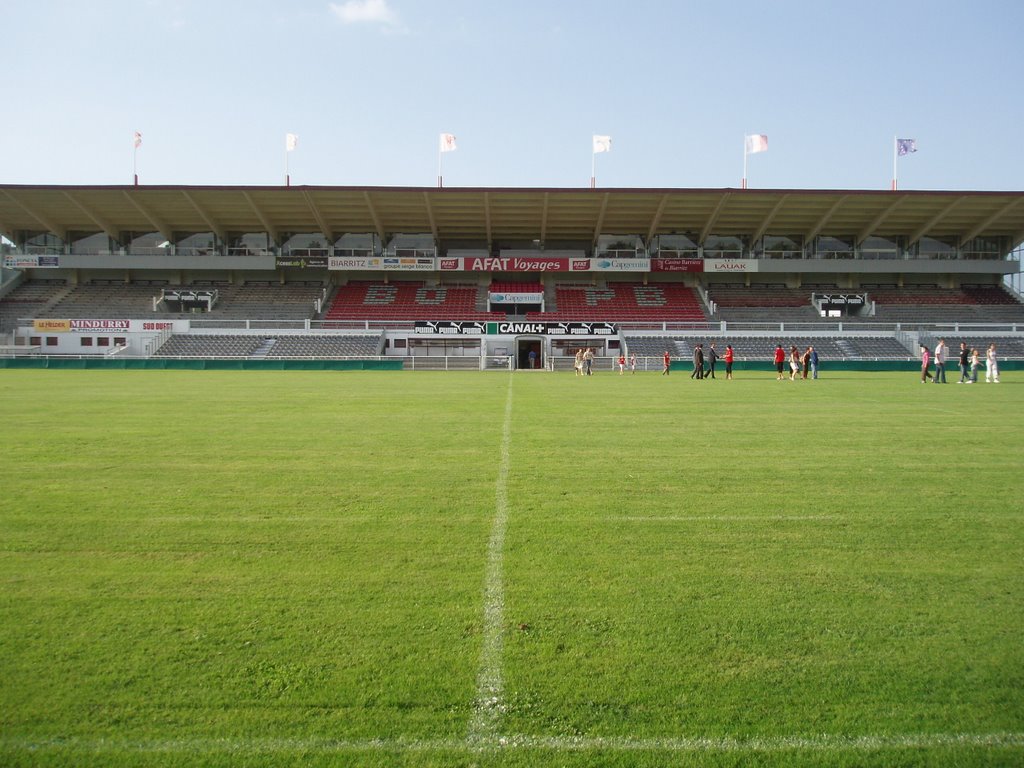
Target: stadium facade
{"points": [[482, 277]]}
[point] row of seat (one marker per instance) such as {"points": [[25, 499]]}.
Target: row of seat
{"points": [[271, 347]]}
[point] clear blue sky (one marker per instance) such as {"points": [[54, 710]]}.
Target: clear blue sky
{"points": [[367, 85]]}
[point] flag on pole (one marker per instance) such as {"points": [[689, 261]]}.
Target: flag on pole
{"points": [[756, 143], [291, 141], [602, 144], [138, 139], [905, 146], [447, 142]]}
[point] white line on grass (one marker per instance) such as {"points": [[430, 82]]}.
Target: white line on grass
{"points": [[490, 684]]}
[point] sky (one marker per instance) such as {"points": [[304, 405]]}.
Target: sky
{"points": [[368, 86]]}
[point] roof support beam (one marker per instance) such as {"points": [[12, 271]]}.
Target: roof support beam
{"points": [[376, 219], [979, 228], [47, 224], [430, 218], [815, 230], [767, 220], [166, 232], [1016, 239], [214, 227], [600, 217], [710, 223], [100, 222], [325, 230], [544, 218], [657, 219], [925, 228], [487, 219], [872, 226], [267, 226]]}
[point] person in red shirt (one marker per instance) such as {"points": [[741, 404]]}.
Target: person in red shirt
{"points": [[728, 357], [668, 363], [780, 362], [622, 363]]}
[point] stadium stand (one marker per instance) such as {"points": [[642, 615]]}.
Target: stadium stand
{"points": [[326, 346], [28, 300], [210, 345], [928, 305], [272, 347], [406, 300], [624, 302], [117, 299]]}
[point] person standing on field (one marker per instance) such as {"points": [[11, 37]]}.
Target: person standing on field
{"points": [[794, 362], [578, 362], [668, 363], [940, 362], [729, 355], [975, 365], [632, 363], [622, 363], [964, 363], [698, 362], [991, 365], [588, 362], [805, 362], [814, 363], [780, 362], [925, 358], [712, 358]]}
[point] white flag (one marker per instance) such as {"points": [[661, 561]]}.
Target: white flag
{"points": [[756, 143], [448, 142], [138, 139], [602, 144], [291, 141]]}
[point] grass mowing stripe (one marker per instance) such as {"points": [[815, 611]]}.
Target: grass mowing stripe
{"points": [[490, 683], [519, 742]]}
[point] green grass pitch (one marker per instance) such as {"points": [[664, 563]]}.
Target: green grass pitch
{"points": [[315, 568]]}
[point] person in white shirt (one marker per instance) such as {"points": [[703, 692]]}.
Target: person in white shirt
{"points": [[940, 362], [991, 365]]}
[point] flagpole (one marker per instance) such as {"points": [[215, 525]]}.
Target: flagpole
{"points": [[743, 184], [440, 180], [287, 174], [895, 154], [593, 170], [136, 140]]}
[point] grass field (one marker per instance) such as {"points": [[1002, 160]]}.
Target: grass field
{"points": [[313, 568]]}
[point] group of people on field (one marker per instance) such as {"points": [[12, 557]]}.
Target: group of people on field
{"points": [[584, 362], [969, 362], [700, 358], [799, 364]]}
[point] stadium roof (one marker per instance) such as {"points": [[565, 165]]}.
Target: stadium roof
{"points": [[508, 214]]}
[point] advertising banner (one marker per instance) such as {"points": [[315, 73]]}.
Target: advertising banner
{"points": [[457, 328], [302, 261], [516, 298], [730, 265], [51, 326], [620, 265], [26, 261], [355, 262], [516, 264], [677, 265], [410, 263]]}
